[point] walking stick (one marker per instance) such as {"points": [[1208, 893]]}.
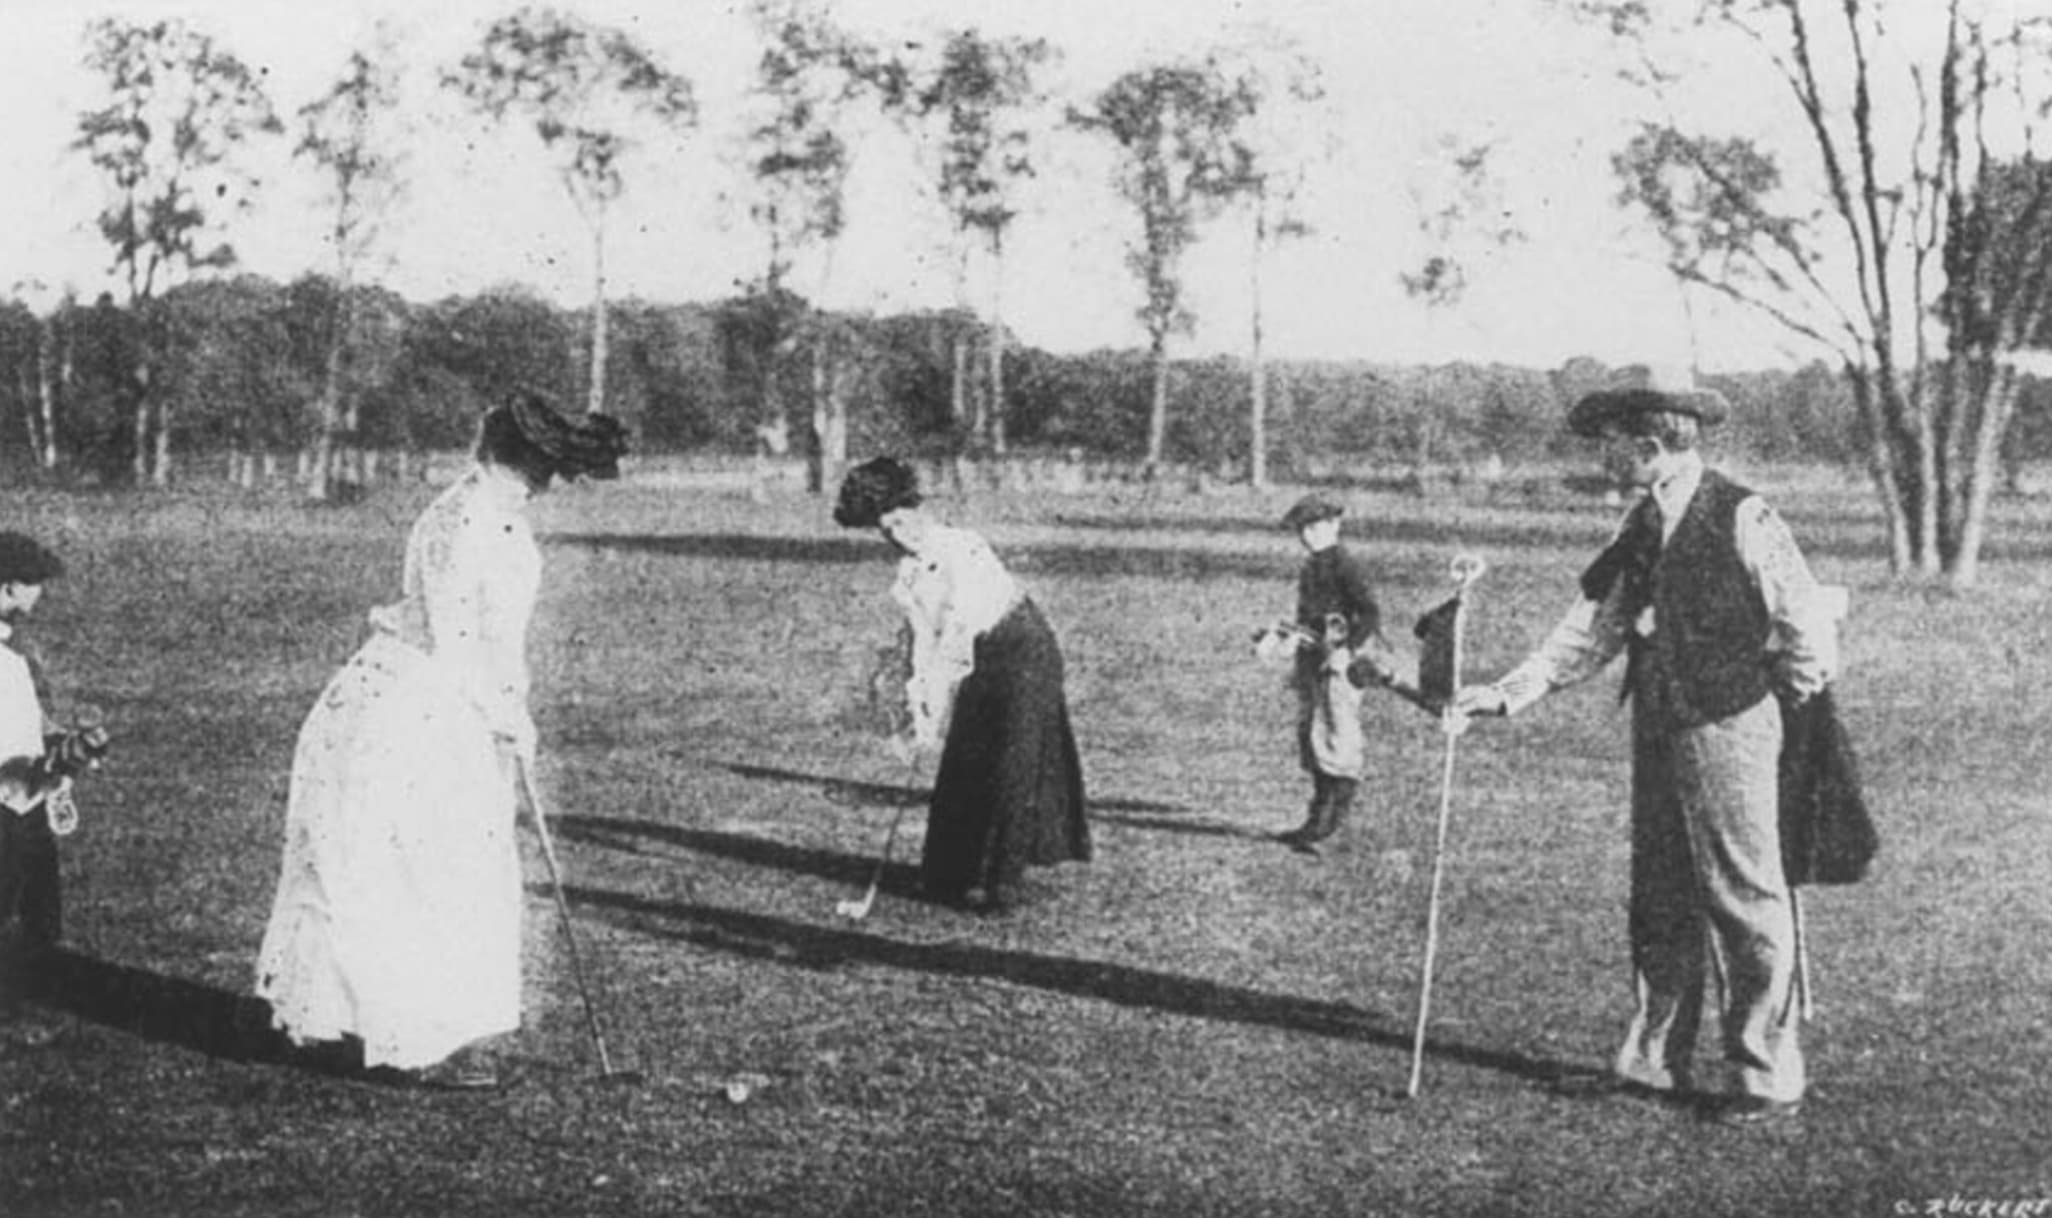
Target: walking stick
{"points": [[607, 1074], [1466, 570]]}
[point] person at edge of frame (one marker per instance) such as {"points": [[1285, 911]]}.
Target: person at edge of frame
{"points": [[395, 934], [1339, 633], [1706, 592], [37, 760], [985, 688]]}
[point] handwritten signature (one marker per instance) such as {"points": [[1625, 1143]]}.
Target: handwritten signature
{"points": [[1957, 1206]]}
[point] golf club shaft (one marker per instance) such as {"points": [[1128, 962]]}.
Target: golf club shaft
{"points": [[890, 839], [541, 826]]}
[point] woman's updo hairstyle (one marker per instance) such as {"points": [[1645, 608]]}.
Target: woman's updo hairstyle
{"points": [[531, 436], [873, 490]]}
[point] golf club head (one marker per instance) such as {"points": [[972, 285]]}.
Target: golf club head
{"points": [[622, 1078], [853, 910]]}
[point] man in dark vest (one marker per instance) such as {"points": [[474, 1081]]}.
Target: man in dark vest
{"points": [[1706, 592]]}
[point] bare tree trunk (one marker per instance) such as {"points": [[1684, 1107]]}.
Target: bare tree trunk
{"points": [[1257, 429], [1157, 413], [816, 451], [834, 442], [48, 388], [321, 474], [997, 348], [1881, 467], [32, 423], [140, 461], [1998, 406], [599, 347], [160, 476], [958, 387]]}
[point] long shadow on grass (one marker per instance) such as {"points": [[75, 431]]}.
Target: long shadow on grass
{"points": [[172, 1011], [1166, 818], [884, 795], [632, 836], [779, 940]]}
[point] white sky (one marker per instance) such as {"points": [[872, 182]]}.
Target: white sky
{"points": [[1404, 74]]}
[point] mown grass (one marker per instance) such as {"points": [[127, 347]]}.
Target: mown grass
{"points": [[1196, 1023]]}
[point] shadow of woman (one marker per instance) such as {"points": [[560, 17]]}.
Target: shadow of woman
{"points": [[784, 942], [175, 1011]]}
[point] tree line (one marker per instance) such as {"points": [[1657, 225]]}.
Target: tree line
{"points": [[245, 366], [1904, 233]]}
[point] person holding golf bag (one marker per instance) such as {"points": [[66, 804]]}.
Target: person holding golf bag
{"points": [[1338, 634], [397, 917], [38, 759], [1721, 621], [985, 690]]}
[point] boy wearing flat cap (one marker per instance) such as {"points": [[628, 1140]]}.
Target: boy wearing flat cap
{"points": [[36, 762], [1721, 622], [1337, 621]]}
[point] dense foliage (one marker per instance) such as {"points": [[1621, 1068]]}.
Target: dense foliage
{"points": [[245, 357]]}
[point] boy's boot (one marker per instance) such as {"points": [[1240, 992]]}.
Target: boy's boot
{"points": [[1314, 813], [1339, 804]]}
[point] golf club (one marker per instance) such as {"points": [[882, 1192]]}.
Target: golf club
{"points": [[856, 910], [607, 1072]]}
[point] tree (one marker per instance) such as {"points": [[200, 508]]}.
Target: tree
{"points": [[181, 109], [38, 374], [1464, 222], [1172, 125], [348, 132], [1911, 244], [979, 97], [1283, 130], [810, 74], [584, 88]]}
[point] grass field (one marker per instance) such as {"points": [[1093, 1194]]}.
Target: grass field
{"points": [[1197, 1023]]}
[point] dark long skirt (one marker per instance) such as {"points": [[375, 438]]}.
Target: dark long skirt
{"points": [[1010, 788]]}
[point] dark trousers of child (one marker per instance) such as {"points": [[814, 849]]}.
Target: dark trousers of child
{"points": [[1332, 798], [31, 903]]}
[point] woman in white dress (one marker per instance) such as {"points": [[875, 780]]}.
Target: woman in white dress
{"points": [[397, 918]]}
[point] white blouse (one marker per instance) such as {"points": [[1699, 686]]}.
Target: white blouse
{"points": [[472, 573], [21, 727], [953, 591]]}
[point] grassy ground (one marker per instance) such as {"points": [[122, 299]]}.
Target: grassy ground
{"points": [[1197, 1023]]}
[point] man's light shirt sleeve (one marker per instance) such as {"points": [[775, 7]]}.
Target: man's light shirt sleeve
{"points": [[1803, 631], [1586, 639]]}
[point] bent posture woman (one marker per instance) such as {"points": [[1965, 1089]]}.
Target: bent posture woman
{"points": [[987, 675], [397, 918]]}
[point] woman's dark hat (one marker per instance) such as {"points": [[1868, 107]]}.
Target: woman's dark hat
{"points": [[579, 446], [1641, 390], [873, 490], [24, 560], [1311, 509]]}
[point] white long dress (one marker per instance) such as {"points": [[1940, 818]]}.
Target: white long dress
{"points": [[398, 910]]}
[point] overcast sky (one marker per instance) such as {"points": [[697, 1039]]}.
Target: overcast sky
{"points": [[1404, 76]]}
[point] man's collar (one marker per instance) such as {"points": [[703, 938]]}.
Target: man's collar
{"points": [[1674, 492]]}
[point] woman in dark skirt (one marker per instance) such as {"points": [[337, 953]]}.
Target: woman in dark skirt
{"points": [[986, 677]]}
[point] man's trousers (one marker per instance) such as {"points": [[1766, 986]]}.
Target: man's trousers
{"points": [[1711, 914]]}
